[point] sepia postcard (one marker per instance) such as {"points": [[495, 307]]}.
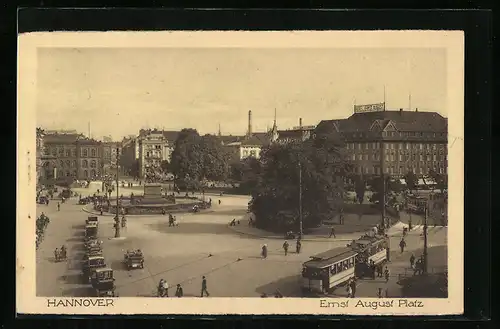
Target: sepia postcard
{"points": [[298, 172]]}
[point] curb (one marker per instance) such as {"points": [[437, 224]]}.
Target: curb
{"points": [[84, 209], [341, 237]]}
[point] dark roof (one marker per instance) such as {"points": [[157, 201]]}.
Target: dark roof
{"points": [[62, 138], [331, 256], [253, 140], [402, 120]]}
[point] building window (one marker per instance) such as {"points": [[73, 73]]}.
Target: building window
{"points": [[366, 146], [354, 157], [360, 157], [434, 146], [374, 157], [252, 153], [93, 153], [421, 170], [85, 163], [359, 146], [73, 164], [85, 153], [387, 157], [73, 152], [61, 151], [93, 164], [68, 154], [421, 146], [85, 173], [68, 164], [54, 151], [400, 157], [62, 164], [92, 173], [245, 153], [407, 146]]}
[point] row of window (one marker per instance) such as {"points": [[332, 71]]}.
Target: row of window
{"points": [[252, 153], [402, 170], [85, 173], [342, 266], [73, 164], [402, 134], [402, 157], [395, 146], [70, 152]]}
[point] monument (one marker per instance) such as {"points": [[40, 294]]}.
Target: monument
{"points": [[152, 194]]}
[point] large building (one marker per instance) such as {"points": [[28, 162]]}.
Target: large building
{"points": [[154, 146], [69, 154], [110, 151], [412, 140]]}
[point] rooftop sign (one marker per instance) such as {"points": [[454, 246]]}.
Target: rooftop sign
{"points": [[369, 108]]}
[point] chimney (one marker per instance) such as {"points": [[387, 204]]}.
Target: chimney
{"points": [[400, 111], [249, 123], [300, 123], [416, 110]]}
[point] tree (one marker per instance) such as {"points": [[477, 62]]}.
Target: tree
{"points": [[411, 180], [360, 187], [441, 180], [214, 159], [186, 160], [276, 197], [165, 166]]}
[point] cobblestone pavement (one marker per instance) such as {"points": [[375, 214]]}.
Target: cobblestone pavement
{"points": [[202, 244]]}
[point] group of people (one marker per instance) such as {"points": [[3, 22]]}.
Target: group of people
{"points": [[60, 254], [41, 224], [286, 246], [417, 264], [179, 291]]}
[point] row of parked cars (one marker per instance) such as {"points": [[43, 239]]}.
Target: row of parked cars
{"points": [[94, 268]]}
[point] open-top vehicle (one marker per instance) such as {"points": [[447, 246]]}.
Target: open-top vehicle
{"points": [[92, 220], [93, 263], [90, 254], [103, 282], [91, 230], [133, 259]]}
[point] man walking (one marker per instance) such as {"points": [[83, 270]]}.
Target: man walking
{"points": [[299, 246], [412, 260], [332, 233], [204, 287], [58, 206], [386, 273], [402, 245], [285, 247], [179, 292]]}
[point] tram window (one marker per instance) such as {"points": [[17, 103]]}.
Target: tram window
{"points": [[334, 270], [345, 265], [351, 262]]}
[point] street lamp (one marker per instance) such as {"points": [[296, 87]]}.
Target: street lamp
{"points": [[117, 218]]}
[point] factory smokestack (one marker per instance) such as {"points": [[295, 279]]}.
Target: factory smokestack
{"points": [[300, 123], [249, 123]]}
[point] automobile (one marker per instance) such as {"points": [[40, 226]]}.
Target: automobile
{"points": [[103, 282], [93, 263], [42, 199], [133, 259]]}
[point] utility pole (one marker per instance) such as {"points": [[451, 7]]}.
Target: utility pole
{"points": [[117, 218], [382, 177], [300, 199], [425, 240]]}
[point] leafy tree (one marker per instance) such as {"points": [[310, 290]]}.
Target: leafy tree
{"points": [[360, 187], [214, 159], [186, 160], [440, 179], [321, 162], [411, 180], [165, 166]]}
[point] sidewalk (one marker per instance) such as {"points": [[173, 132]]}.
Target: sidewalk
{"points": [[244, 229]]}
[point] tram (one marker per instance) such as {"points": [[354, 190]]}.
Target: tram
{"points": [[328, 270], [370, 250]]}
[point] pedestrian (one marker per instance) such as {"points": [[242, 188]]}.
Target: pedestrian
{"points": [[179, 291], [264, 251], [285, 247], [379, 293], [56, 254], [165, 288], [409, 225], [386, 273], [402, 245], [373, 269], [349, 290], [204, 287], [58, 206], [332, 233], [299, 246], [412, 260], [353, 288], [219, 201]]}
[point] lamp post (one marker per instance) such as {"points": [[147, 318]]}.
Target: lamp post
{"points": [[425, 239], [117, 218], [300, 199]]}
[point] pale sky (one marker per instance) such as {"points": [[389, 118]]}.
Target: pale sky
{"points": [[122, 90]]}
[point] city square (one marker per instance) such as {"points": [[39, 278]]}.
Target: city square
{"points": [[203, 244]]}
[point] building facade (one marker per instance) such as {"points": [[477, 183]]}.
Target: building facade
{"points": [[152, 148], [110, 151], [70, 155], [412, 141]]}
